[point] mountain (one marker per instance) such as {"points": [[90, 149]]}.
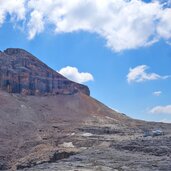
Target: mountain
{"points": [[21, 72], [44, 118], [34, 100]]}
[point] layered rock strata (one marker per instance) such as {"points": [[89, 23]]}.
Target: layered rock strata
{"points": [[23, 73]]}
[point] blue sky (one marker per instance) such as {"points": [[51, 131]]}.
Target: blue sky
{"points": [[122, 53]]}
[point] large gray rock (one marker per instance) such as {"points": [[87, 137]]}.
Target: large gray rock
{"points": [[21, 72]]}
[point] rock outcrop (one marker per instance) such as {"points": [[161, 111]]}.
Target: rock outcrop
{"points": [[21, 72]]}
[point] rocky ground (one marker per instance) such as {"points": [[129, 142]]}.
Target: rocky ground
{"points": [[76, 133], [97, 148], [103, 149], [33, 128]]}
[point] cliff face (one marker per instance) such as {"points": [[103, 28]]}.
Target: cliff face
{"points": [[21, 72]]}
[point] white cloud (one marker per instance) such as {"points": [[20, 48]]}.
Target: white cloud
{"points": [[139, 74], [157, 93], [73, 74], [36, 17], [164, 27], [124, 24], [15, 8], [161, 110]]}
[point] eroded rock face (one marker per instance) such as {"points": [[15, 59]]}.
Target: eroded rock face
{"points": [[21, 72]]}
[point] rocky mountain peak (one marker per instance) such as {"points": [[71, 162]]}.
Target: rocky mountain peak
{"points": [[14, 51], [21, 72]]}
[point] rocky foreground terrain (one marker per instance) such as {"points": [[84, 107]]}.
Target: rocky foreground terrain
{"points": [[50, 123]]}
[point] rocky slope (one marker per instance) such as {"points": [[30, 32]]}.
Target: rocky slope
{"points": [[32, 126], [21, 72]]}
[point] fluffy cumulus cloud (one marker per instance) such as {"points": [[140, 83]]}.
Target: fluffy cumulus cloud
{"points": [[124, 24], [157, 93], [14, 8], [33, 28], [161, 110], [140, 74], [73, 74]]}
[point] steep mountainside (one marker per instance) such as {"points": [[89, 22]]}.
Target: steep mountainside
{"points": [[27, 122], [21, 72]]}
